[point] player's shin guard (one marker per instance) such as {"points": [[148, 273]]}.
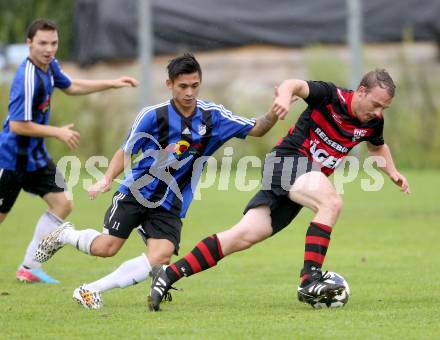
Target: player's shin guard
{"points": [[316, 244], [205, 255]]}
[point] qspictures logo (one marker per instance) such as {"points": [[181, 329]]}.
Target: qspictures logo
{"points": [[205, 171]]}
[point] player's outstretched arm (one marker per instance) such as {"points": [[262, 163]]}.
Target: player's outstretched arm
{"points": [[389, 168], [114, 170], [85, 86], [287, 91], [263, 124], [64, 133]]}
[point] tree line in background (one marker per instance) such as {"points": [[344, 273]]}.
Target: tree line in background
{"points": [[411, 129], [16, 15]]}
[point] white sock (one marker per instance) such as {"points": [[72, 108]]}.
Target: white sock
{"points": [[80, 239], [129, 273], [47, 223]]}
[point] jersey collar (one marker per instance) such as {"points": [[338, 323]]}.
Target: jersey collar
{"points": [[180, 113]]}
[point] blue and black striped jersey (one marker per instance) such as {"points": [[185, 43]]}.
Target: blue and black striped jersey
{"points": [[29, 100], [173, 150]]}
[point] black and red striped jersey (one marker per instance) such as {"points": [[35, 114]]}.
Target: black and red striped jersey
{"points": [[327, 130]]}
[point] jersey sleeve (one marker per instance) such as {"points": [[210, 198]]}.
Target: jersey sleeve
{"points": [[22, 94], [376, 137], [320, 92], [139, 134], [61, 80], [231, 125]]}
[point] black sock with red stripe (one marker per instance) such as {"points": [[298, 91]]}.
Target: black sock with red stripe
{"points": [[316, 244], [205, 255]]}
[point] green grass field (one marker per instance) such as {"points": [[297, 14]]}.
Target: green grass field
{"points": [[385, 244]]}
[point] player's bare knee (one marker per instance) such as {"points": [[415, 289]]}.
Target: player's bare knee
{"points": [[315, 206], [247, 240], [112, 251], [104, 248], [234, 242], [62, 208], [247, 243], [68, 206], [108, 251], [337, 203], [332, 203], [160, 259], [156, 256]]}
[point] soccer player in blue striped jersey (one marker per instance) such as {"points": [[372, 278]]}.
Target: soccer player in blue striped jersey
{"points": [[174, 139], [24, 160]]}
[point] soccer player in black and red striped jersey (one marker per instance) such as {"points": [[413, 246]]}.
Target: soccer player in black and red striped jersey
{"points": [[296, 174]]}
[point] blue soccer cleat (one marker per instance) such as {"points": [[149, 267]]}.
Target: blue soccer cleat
{"points": [[34, 275]]}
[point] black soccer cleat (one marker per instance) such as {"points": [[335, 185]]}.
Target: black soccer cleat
{"points": [[318, 288], [160, 285]]}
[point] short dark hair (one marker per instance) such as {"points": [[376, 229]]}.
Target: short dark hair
{"points": [[40, 25], [184, 64], [381, 78]]}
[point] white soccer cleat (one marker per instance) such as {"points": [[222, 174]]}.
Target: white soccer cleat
{"points": [[87, 298], [50, 244]]}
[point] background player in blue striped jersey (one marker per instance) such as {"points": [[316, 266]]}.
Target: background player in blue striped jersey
{"points": [[24, 162], [175, 138]]}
